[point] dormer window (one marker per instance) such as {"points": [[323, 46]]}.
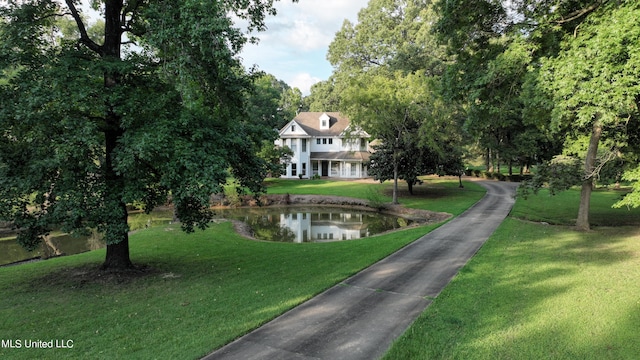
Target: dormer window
{"points": [[325, 121]]}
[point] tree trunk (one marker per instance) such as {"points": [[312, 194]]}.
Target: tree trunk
{"points": [[410, 186], [395, 182], [118, 238], [487, 158], [582, 223], [118, 256]]}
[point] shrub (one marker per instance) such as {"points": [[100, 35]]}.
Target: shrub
{"points": [[375, 198], [232, 193]]}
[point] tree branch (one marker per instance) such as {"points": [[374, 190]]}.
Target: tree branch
{"points": [[580, 13], [84, 37]]}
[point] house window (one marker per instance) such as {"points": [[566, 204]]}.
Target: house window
{"points": [[304, 145], [330, 141], [324, 141], [318, 141], [293, 128], [294, 169], [324, 123]]}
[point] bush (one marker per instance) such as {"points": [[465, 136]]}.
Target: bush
{"points": [[232, 193], [375, 198], [498, 176]]}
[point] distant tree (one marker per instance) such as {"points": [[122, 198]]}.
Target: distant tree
{"points": [[291, 103], [273, 102], [324, 96], [89, 126], [388, 68]]}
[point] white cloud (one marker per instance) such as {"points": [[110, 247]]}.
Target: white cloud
{"points": [[303, 81], [296, 42]]}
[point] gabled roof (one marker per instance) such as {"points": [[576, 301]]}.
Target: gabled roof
{"points": [[310, 123], [300, 132]]}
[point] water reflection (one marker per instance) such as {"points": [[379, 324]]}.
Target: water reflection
{"points": [[64, 244], [53, 245], [313, 224]]}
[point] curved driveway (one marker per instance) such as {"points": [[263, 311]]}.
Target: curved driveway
{"points": [[360, 317]]}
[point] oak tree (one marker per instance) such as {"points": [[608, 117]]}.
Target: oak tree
{"points": [[154, 109]]}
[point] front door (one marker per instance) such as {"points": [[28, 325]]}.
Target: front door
{"points": [[325, 169]]}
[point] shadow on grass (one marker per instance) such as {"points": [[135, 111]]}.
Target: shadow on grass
{"points": [[536, 291]]}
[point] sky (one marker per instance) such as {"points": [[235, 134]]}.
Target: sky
{"points": [[294, 47]]}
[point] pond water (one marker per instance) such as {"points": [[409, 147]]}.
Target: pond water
{"points": [[313, 224], [57, 243], [281, 224]]}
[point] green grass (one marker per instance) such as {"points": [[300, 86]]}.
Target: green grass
{"points": [[537, 291], [435, 194], [562, 208], [204, 290]]}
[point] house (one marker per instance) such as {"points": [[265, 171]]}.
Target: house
{"points": [[325, 144]]}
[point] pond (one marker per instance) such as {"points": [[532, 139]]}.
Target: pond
{"points": [[280, 224], [313, 224], [60, 243]]}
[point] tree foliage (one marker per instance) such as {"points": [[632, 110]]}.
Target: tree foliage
{"points": [[387, 69], [89, 126], [273, 102], [562, 70]]}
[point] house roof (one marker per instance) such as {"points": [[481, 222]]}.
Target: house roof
{"points": [[310, 123]]}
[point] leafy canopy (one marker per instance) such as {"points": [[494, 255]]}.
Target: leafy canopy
{"points": [[90, 124]]}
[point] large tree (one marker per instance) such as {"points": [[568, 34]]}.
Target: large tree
{"points": [[387, 67], [595, 85], [581, 71], [89, 126]]}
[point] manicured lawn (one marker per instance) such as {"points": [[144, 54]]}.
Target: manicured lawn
{"points": [[562, 208], [436, 194], [199, 292], [537, 291]]}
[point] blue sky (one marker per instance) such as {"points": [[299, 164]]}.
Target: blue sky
{"points": [[294, 47]]}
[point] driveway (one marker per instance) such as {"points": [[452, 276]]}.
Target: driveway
{"points": [[361, 317]]}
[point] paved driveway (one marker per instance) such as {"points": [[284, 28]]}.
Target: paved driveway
{"points": [[360, 317]]}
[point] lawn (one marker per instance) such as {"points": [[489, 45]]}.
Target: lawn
{"points": [[562, 208], [193, 294], [435, 194], [537, 291]]}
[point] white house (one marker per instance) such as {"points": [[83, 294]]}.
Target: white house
{"points": [[324, 144]]}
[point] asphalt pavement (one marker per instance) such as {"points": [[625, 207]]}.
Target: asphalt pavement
{"points": [[360, 317]]}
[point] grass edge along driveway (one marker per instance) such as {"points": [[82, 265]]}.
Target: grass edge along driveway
{"points": [[537, 291]]}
